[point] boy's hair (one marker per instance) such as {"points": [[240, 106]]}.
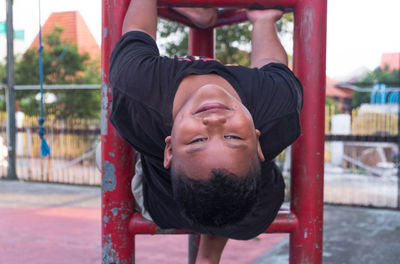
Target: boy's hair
{"points": [[223, 199]]}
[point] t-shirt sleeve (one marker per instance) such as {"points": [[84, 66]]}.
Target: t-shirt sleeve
{"points": [[274, 98], [138, 71], [141, 82], [287, 84]]}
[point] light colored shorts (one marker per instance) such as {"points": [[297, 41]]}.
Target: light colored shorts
{"points": [[137, 188]]}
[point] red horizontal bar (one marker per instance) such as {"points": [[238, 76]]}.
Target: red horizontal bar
{"points": [[230, 16], [285, 222], [230, 3], [225, 17], [140, 226]]}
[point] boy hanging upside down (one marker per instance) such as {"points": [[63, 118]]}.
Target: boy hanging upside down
{"points": [[207, 133]]}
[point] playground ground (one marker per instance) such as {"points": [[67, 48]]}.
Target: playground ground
{"points": [[53, 223]]}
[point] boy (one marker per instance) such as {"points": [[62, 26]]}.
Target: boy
{"points": [[207, 133]]}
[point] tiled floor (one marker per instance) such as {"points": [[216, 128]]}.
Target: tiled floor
{"points": [[57, 224]]}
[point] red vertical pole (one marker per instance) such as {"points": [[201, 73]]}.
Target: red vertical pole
{"points": [[117, 155], [201, 42], [308, 151]]}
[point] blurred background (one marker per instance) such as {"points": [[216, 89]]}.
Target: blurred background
{"points": [[362, 92], [361, 124]]}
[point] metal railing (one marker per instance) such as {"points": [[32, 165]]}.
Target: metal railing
{"points": [[366, 174], [73, 144], [73, 152], [361, 166], [72, 159]]}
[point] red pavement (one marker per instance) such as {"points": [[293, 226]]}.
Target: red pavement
{"points": [[58, 235]]}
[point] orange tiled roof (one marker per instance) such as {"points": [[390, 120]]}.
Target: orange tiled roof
{"points": [[392, 60], [333, 91], [75, 30]]}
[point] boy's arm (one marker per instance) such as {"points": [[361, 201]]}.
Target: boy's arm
{"points": [[142, 16], [210, 249], [266, 46]]}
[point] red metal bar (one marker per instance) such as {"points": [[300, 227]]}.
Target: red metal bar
{"points": [[285, 222], [141, 226], [305, 221], [117, 155], [170, 14], [225, 17], [201, 42], [230, 3], [230, 16], [308, 151]]}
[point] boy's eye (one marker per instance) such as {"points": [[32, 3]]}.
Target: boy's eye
{"points": [[197, 140], [233, 137]]}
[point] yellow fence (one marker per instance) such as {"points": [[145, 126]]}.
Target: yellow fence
{"points": [[366, 123], [71, 138], [66, 138], [374, 123], [72, 144]]}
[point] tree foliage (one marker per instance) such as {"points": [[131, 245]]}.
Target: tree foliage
{"points": [[332, 105], [176, 37], [381, 76], [232, 42], [62, 64], [2, 72]]}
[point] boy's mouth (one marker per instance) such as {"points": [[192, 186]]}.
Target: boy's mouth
{"points": [[211, 107]]}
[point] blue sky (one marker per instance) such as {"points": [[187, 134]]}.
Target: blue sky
{"points": [[359, 31]]}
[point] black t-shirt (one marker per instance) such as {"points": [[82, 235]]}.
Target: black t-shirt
{"points": [[144, 85]]}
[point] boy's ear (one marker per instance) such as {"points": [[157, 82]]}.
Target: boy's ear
{"points": [[259, 150], [167, 153]]}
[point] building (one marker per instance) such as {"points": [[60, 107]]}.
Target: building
{"points": [[75, 30], [391, 61], [341, 95]]}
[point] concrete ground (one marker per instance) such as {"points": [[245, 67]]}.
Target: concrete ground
{"points": [[352, 235], [53, 223]]}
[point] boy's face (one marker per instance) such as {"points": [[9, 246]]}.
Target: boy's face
{"points": [[212, 129]]}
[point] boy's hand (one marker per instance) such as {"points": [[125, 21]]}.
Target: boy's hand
{"points": [[267, 15]]}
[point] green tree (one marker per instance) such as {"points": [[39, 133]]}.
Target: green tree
{"points": [[2, 72], [229, 39], [332, 104], [62, 64], [178, 43], [232, 42], [381, 76]]}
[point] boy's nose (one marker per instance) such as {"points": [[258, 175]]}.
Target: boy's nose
{"points": [[214, 119]]}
